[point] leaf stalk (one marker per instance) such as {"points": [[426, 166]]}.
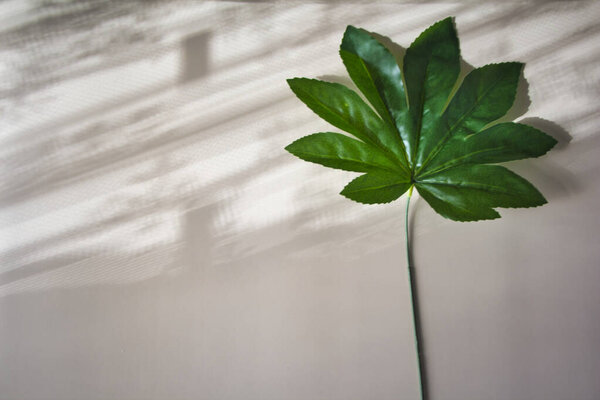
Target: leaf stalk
{"points": [[415, 308]]}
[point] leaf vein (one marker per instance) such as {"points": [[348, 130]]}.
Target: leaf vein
{"points": [[470, 185], [358, 161], [378, 187], [456, 161], [444, 139]]}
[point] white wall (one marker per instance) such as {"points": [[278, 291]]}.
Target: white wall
{"points": [[157, 242]]}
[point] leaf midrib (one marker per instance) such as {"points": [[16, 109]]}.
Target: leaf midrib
{"points": [[420, 116], [469, 185], [456, 161], [318, 156], [379, 187]]}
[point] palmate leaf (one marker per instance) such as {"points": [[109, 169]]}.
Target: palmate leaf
{"points": [[420, 132]]}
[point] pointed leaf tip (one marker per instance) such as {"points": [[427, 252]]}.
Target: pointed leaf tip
{"points": [[335, 150], [376, 187], [431, 67]]}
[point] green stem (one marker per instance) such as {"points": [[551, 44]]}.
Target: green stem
{"points": [[415, 309]]}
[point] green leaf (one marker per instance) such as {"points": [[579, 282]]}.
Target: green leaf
{"points": [[344, 109], [376, 187], [424, 136], [470, 192], [342, 152], [376, 73], [431, 66], [502, 142]]}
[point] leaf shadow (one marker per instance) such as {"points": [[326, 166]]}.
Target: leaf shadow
{"points": [[552, 179], [394, 48], [397, 51], [551, 128], [465, 69], [341, 79]]}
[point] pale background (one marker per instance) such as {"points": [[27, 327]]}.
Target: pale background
{"points": [[156, 242]]}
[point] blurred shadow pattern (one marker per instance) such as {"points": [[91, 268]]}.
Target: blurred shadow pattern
{"points": [[157, 242]]}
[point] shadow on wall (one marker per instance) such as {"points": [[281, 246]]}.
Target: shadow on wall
{"points": [[150, 169], [195, 51], [131, 247]]}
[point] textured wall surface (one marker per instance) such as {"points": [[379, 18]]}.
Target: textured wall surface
{"points": [[156, 242]]}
